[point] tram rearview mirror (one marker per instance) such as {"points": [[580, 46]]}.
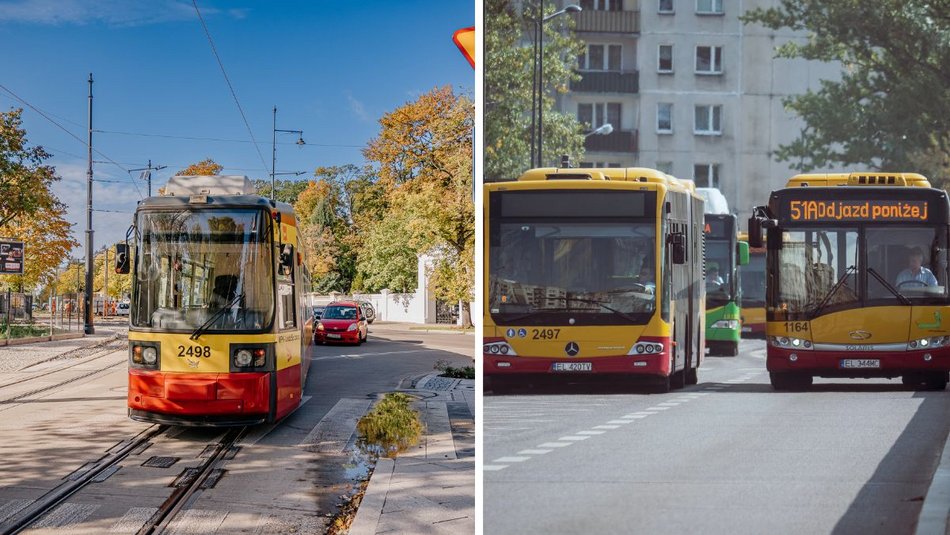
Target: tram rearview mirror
{"points": [[678, 248], [122, 258]]}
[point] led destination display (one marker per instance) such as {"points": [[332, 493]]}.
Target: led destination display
{"points": [[856, 210]]}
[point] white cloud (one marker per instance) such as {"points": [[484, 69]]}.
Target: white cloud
{"points": [[357, 107], [111, 12]]}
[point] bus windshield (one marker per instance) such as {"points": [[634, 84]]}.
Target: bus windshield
{"points": [[719, 282], [203, 268], [597, 272], [819, 268], [753, 281]]}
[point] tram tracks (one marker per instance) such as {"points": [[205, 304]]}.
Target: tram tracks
{"points": [[185, 488], [104, 351]]}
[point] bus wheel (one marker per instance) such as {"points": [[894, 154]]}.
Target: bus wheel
{"points": [[732, 349], [937, 381], [789, 382], [664, 385], [692, 376]]}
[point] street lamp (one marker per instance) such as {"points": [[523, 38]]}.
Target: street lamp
{"points": [[273, 164], [537, 91], [603, 130]]}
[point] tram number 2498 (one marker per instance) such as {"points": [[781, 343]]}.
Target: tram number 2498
{"points": [[194, 351]]}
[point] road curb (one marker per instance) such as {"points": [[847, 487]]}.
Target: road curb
{"points": [[936, 509], [371, 508]]}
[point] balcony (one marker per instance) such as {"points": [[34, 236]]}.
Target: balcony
{"points": [[607, 82], [617, 141], [607, 21]]}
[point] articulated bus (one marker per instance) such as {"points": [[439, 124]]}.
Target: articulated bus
{"points": [[593, 271], [857, 279], [724, 255], [216, 333], [752, 284]]}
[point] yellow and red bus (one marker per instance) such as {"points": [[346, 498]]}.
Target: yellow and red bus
{"points": [[217, 324], [593, 271], [752, 282], [857, 279]]}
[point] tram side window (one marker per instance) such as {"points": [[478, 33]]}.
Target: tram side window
{"points": [[285, 292]]}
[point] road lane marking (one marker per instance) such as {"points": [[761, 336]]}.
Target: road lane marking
{"points": [[606, 426], [638, 415], [554, 444], [591, 432], [511, 459], [534, 452], [668, 404], [620, 422], [574, 438], [493, 467], [658, 408]]}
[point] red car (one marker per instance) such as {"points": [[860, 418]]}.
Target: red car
{"points": [[342, 322]]}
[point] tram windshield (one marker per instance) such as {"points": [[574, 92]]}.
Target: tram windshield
{"points": [[211, 269]]}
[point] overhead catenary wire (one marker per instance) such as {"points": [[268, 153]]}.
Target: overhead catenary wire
{"points": [[223, 140], [214, 50], [74, 136]]}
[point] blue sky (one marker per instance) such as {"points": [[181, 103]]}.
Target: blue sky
{"points": [[331, 68]]}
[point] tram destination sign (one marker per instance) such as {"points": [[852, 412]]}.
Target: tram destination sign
{"points": [[11, 257], [835, 210]]}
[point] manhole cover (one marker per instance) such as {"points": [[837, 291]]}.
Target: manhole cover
{"points": [[160, 462]]}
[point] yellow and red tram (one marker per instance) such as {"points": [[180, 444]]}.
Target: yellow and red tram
{"points": [[216, 333]]}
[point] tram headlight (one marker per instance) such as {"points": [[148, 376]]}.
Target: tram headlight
{"points": [[243, 358], [150, 355], [260, 357], [137, 354]]}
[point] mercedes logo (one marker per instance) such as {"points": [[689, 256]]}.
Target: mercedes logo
{"points": [[572, 349], [860, 335]]}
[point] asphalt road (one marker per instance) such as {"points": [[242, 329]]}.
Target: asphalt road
{"points": [[728, 455], [285, 478]]}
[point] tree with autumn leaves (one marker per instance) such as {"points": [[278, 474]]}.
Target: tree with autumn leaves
{"points": [[29, 211]]}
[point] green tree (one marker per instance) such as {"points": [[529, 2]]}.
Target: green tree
{"points": [[284, 190], [891, 108], [424, 153], [508, 65], [24, 177]]}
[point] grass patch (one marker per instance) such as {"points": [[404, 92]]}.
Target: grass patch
{"points": [[24, 331], [391, 427], [465, 372]]}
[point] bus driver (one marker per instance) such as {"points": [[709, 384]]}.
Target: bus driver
{"points": [[916, 272]]}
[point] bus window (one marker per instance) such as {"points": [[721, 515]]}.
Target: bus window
{"points": [[891, 253], [817, 269]]}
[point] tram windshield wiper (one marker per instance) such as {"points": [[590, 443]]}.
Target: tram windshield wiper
{"points": [[901, 297], [824, 301], [217, 314]]}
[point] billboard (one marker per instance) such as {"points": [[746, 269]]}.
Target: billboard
{"points": [[11, 257]]}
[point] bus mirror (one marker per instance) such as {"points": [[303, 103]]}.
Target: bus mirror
{"points": [[122, 258], [678, 248], [743, 252], [755, 232]]}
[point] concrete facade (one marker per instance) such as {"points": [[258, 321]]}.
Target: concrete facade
{"points": [[747, 86]]}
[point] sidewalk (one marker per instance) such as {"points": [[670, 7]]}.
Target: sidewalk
{"points": [[430, 488], [934, 516]]}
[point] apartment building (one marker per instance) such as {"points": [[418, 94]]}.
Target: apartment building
{"points": [[690, 90]]}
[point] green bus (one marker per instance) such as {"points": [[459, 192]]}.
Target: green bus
{"points": [[724, 254]]}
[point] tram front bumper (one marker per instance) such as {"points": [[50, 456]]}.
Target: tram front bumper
{"points": [[195, 395]]}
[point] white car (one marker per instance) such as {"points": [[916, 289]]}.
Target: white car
{"points": [[122, 309]]}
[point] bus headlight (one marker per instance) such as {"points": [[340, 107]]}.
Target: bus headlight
{"points": [[932, 342], [726, 324], [150, 355], [243, 358], [790, 343], [496, 348], [643, 347]]}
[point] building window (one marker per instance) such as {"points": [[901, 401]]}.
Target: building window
{"points": [[709, 7], [665, 167], [706, 175], [602, 5], [600, 165], [665, 55], [600, 58], [708, 120], [599, 113], [665, 6], [708, 60], [664, 118]]}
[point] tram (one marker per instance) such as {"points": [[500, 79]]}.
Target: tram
{"points": [[217, 315], [593, 271]]}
